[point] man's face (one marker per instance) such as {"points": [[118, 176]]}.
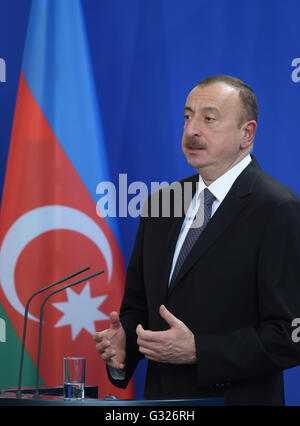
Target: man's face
{"points": [[212, 138]]}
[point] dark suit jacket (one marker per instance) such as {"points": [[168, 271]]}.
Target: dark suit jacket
{"points": [[238, 292]]}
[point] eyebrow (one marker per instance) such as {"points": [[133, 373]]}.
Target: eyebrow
{"points": [[207, 108]]}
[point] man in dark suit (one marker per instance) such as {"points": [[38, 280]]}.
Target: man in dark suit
{"points": [[211, 305]]}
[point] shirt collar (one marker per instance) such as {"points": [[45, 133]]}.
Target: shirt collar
{"points": [[220, 187]]}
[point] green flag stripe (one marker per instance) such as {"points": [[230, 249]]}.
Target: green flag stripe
{"points": [[10, 351]]}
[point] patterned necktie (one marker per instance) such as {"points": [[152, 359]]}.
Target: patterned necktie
{"points": [[194, 232]]}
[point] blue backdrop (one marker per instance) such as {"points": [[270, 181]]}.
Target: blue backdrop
{"points": [[147, 55]]}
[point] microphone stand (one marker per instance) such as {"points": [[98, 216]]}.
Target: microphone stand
{"points": [[19, 391], [36, 393]]}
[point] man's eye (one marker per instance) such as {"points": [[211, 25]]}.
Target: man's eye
{"points": [[187, 117], [208, 118]]}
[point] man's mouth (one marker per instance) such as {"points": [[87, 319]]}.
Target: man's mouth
{"points": [[194, 147]]}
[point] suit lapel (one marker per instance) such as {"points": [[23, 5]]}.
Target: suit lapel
{"points": [[173, 233], [232, 205]]}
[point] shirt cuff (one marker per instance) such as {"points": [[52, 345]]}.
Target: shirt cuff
{"points": [[117, 374]]}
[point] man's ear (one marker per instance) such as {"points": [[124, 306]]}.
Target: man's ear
{"points": [[249, 130]]}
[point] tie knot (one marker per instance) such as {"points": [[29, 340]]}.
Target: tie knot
{"points": [[209, 198]]}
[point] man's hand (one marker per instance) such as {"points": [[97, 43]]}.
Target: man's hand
{"points": [[111, 343], [174, 346]]}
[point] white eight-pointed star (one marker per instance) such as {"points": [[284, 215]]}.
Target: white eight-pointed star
{"points": [[81, 311]]}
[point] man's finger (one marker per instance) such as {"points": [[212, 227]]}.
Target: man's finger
{"points": [[139, 330], [107, 355], [103, 345], [98, 336], [144, 334], [147, 351], [169, 317], [115, 364], [149, 336], [114, 320]]}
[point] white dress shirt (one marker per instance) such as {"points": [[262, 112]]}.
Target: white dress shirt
{"points": [[219, 188]]}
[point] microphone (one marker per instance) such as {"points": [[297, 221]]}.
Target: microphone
{"points": [[19, 392], [36, 394]]}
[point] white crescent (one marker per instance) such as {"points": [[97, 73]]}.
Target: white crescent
{"points": [[34, 223]]}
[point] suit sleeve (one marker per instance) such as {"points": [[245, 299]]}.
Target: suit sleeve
{"points": [[255, 351], [133, 309]]}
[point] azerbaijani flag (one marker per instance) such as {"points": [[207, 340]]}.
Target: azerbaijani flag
{"points": [[49, 225]]}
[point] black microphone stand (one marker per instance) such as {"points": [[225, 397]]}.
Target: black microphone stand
{"points": [[19, 391], [36, 393]]}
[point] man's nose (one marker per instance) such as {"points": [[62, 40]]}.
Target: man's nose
{"points": [[193, 127]]}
